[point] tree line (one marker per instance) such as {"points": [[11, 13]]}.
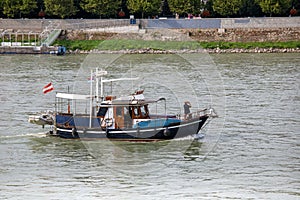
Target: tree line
{"points": [[146, 8]]}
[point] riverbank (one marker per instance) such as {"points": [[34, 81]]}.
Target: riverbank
{"points": [[230, 35], [170, 47]]}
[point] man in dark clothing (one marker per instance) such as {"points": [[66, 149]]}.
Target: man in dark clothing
{"points": [[187, 111]]}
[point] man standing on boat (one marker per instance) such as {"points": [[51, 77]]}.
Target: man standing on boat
{"points": [[187, 111]]}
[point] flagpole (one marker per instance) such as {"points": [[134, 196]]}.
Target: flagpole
{"points": [[91, 99], [69, 109]]}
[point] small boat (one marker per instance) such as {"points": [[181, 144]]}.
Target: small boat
{"points": [[61, 50], [121, 118], [42, 118]]}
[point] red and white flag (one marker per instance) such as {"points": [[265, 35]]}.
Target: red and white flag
{"points": [[48, 88]]}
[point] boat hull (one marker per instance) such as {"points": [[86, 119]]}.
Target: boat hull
{"points": [[172, 131]]}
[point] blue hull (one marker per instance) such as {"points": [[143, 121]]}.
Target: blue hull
{"points": [[67, 129]]}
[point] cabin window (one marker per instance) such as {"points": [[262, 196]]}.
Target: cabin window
{"points": [[119, 111], [139, 112], [144, 111], [136, 111]]}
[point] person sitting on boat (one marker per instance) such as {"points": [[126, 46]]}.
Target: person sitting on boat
{"points": [[127, 119], [187, 111]]}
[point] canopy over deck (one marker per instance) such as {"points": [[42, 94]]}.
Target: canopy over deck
{"points": [[72, 96]]}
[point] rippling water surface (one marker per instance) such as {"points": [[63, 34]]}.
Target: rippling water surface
{"points": [[252, 151]]}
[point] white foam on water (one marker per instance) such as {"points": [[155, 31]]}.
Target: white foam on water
{"points": [[40, 135]]}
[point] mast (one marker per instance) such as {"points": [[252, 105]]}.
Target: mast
{"points": [[97, 87], [100, 74]]}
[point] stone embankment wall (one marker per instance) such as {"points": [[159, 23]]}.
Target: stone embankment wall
{"points": [[203, 35], [244, 34]]}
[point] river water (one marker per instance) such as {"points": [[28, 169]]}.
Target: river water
{"points": [[251, 151]]}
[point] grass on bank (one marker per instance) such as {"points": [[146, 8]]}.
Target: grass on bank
{"points": [[78, 44], [115, 45]]}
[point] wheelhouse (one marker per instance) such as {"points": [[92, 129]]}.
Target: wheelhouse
{"points": [[123, 113]]}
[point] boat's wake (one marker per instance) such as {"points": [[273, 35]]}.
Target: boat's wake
{"points": [[198, 136], [39, 135]]}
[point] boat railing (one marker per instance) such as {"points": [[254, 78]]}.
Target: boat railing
{"points": [[191, 115], [207, 111], [156, 116]]}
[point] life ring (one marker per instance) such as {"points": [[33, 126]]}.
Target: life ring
{"points": [[108, 122]]}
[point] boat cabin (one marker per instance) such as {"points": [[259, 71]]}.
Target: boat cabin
{"points": [[112, 113], [123, 112]]}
